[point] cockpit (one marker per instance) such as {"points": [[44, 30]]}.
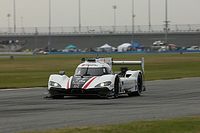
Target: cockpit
{"points": [[91, 71]]}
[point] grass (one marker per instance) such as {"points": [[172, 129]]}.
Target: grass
{"points": [[183, 125], [31, 71]]}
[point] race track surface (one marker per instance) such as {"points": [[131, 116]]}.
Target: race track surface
{"points": [[26, 109]]}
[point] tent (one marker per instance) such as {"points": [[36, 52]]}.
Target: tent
{"points": [[106, 48], [124, 47], [70, 48], [137, 46]]}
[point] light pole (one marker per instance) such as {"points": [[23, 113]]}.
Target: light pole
{"points": [[79, 15], [133, 20], [114, 24], [22, 24], [8, 15], [149, 14], [166, 22], [49, 37], [14, 16]]}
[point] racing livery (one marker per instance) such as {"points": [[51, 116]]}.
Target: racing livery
{"points": [[95, 77]]}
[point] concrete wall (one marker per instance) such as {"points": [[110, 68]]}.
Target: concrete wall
{"points": [[95, 40]]}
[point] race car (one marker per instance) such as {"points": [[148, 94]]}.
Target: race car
{"points": [[95, 77]]}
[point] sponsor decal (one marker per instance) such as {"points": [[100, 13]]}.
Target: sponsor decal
{"points": [[78, 82], [88, 82]]}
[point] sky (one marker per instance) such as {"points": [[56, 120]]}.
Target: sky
{"points": [[34, 13]]}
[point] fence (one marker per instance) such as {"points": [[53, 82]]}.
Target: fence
{"points": [[100, 30]]}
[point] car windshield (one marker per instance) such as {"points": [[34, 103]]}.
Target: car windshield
{"points": [[88, 71]]}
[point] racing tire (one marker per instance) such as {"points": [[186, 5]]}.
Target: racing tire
{"points": [[116, 87], [139, 87]]}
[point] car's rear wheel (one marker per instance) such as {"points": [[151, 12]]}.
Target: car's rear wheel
{"points": [[139, 86], [116, 87]]}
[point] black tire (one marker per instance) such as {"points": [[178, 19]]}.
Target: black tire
{"points": [[139, 87], [116, 87]]}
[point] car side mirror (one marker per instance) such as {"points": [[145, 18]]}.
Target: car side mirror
{"points": [[61, 72]]}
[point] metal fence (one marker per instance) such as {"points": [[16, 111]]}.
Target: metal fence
{"points": [[100, 29]]}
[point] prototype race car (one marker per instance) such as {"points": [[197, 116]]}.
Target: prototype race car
{"points": [[95, 77]]}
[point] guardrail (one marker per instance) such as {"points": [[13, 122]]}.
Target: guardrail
{"points": [[100, 30]]}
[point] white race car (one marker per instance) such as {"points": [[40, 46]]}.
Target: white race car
{"points": [[95, 77]]}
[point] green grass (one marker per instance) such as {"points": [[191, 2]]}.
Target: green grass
{"points": [[183, 125], [31, 71]]}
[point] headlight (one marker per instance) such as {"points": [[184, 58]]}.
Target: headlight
{"points": [[107, 83], [54, 84]]}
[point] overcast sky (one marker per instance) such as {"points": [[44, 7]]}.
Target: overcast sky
{"points": [[34, 13]]}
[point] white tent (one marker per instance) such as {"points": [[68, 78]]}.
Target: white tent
{"points": [[124, 47], [106, 48]]}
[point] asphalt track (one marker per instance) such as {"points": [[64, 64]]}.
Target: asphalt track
{"points": [[25, 109]]}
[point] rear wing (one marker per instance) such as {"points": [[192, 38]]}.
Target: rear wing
{"points": [[110, 62], [141, 63]]}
